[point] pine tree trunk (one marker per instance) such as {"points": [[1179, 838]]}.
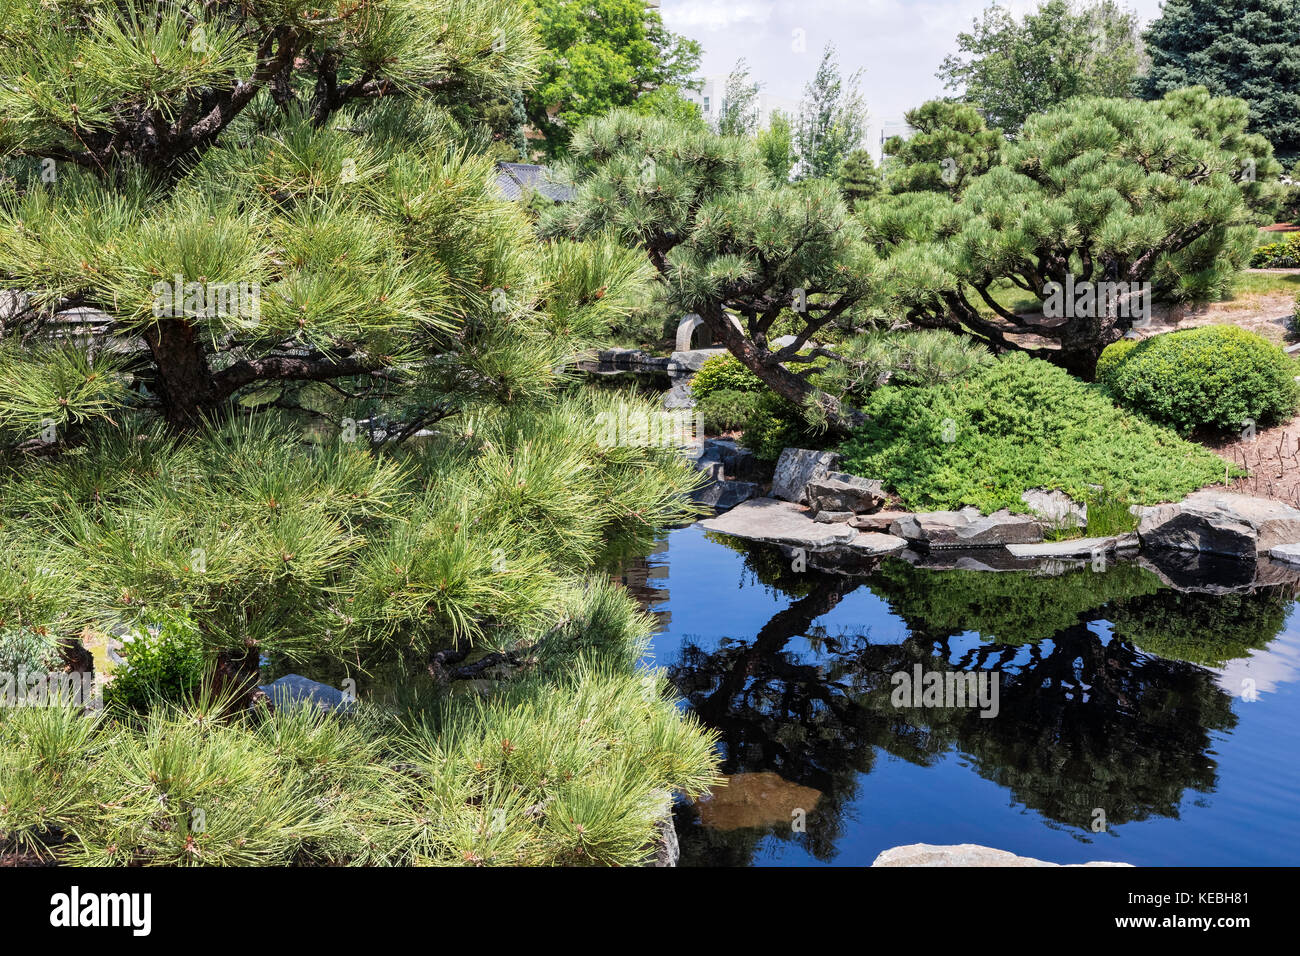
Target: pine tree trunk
{"points": [[842, 418], [237, 675], [184, 380]]}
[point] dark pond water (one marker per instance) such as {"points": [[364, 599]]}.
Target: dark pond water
{"points": [[1176, 715]]}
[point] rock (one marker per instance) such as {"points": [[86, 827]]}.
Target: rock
{"points": [[871, 544], [880, 521], [294, 689], [736, 462], [679, 397], [840, 492], [1078, 548], [798, 466], [1289, 553], [725, 495], [752, 800], [778, 522], [968, 529], [833, 517], [1236, 526], [630, 360], [1056, 508], [692, 360], [964, 854]]}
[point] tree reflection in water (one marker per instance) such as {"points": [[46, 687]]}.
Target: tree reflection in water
{"points": [[1087, 720]]}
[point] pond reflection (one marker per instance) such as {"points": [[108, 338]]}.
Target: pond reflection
{"points": [[1113, 703]]}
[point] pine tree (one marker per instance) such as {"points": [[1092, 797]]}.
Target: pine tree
{"points": [[279, 365], [949, 146], [1169, 193], [859, 179], [729, 243]]}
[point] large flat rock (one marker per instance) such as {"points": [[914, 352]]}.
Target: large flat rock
{"points": [[872, 544], [963, 854], [1223, 523], [968, 529], [779, 522], [1076, 548]]}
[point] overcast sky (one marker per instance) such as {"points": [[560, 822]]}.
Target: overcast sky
{"points": [[898, 44]]}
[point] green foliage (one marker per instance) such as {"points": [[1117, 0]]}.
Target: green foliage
{"points": [[776, 424], [949, 146], [1010, 70], [724, 238], [1020, 424], [1109, 514], [162, 662], [1080, 194], [1283, 254], [575, 762], [858, 178], [738, 114], [831, 122], [601, 55], [727, 409], [776, 147], [724, 372], [48, 391], [1219, 376], [913, 357], [1240, 48], [24, 648], [1112, 356], [381, 454]]}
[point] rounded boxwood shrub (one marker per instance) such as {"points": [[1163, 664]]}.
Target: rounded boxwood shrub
{"points": [[724, 372], [1219, 376]]}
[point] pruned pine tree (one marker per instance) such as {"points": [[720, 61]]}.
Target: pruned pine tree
{"points": [[751, 257], [1096, 191], [291, 269]]}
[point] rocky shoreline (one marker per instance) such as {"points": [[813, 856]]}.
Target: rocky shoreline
{"points": [[1212, 540]]}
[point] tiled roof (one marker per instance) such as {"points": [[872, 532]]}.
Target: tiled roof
{"points": [[516, 179]]}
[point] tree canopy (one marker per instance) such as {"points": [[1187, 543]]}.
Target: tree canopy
{"points": [[831, 122], [1012, 69], [602, 54], [1095, 190], [726, 241], [1244, 48]]}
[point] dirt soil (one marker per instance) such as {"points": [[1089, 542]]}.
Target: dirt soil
{"points": [[1264, 314]]}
